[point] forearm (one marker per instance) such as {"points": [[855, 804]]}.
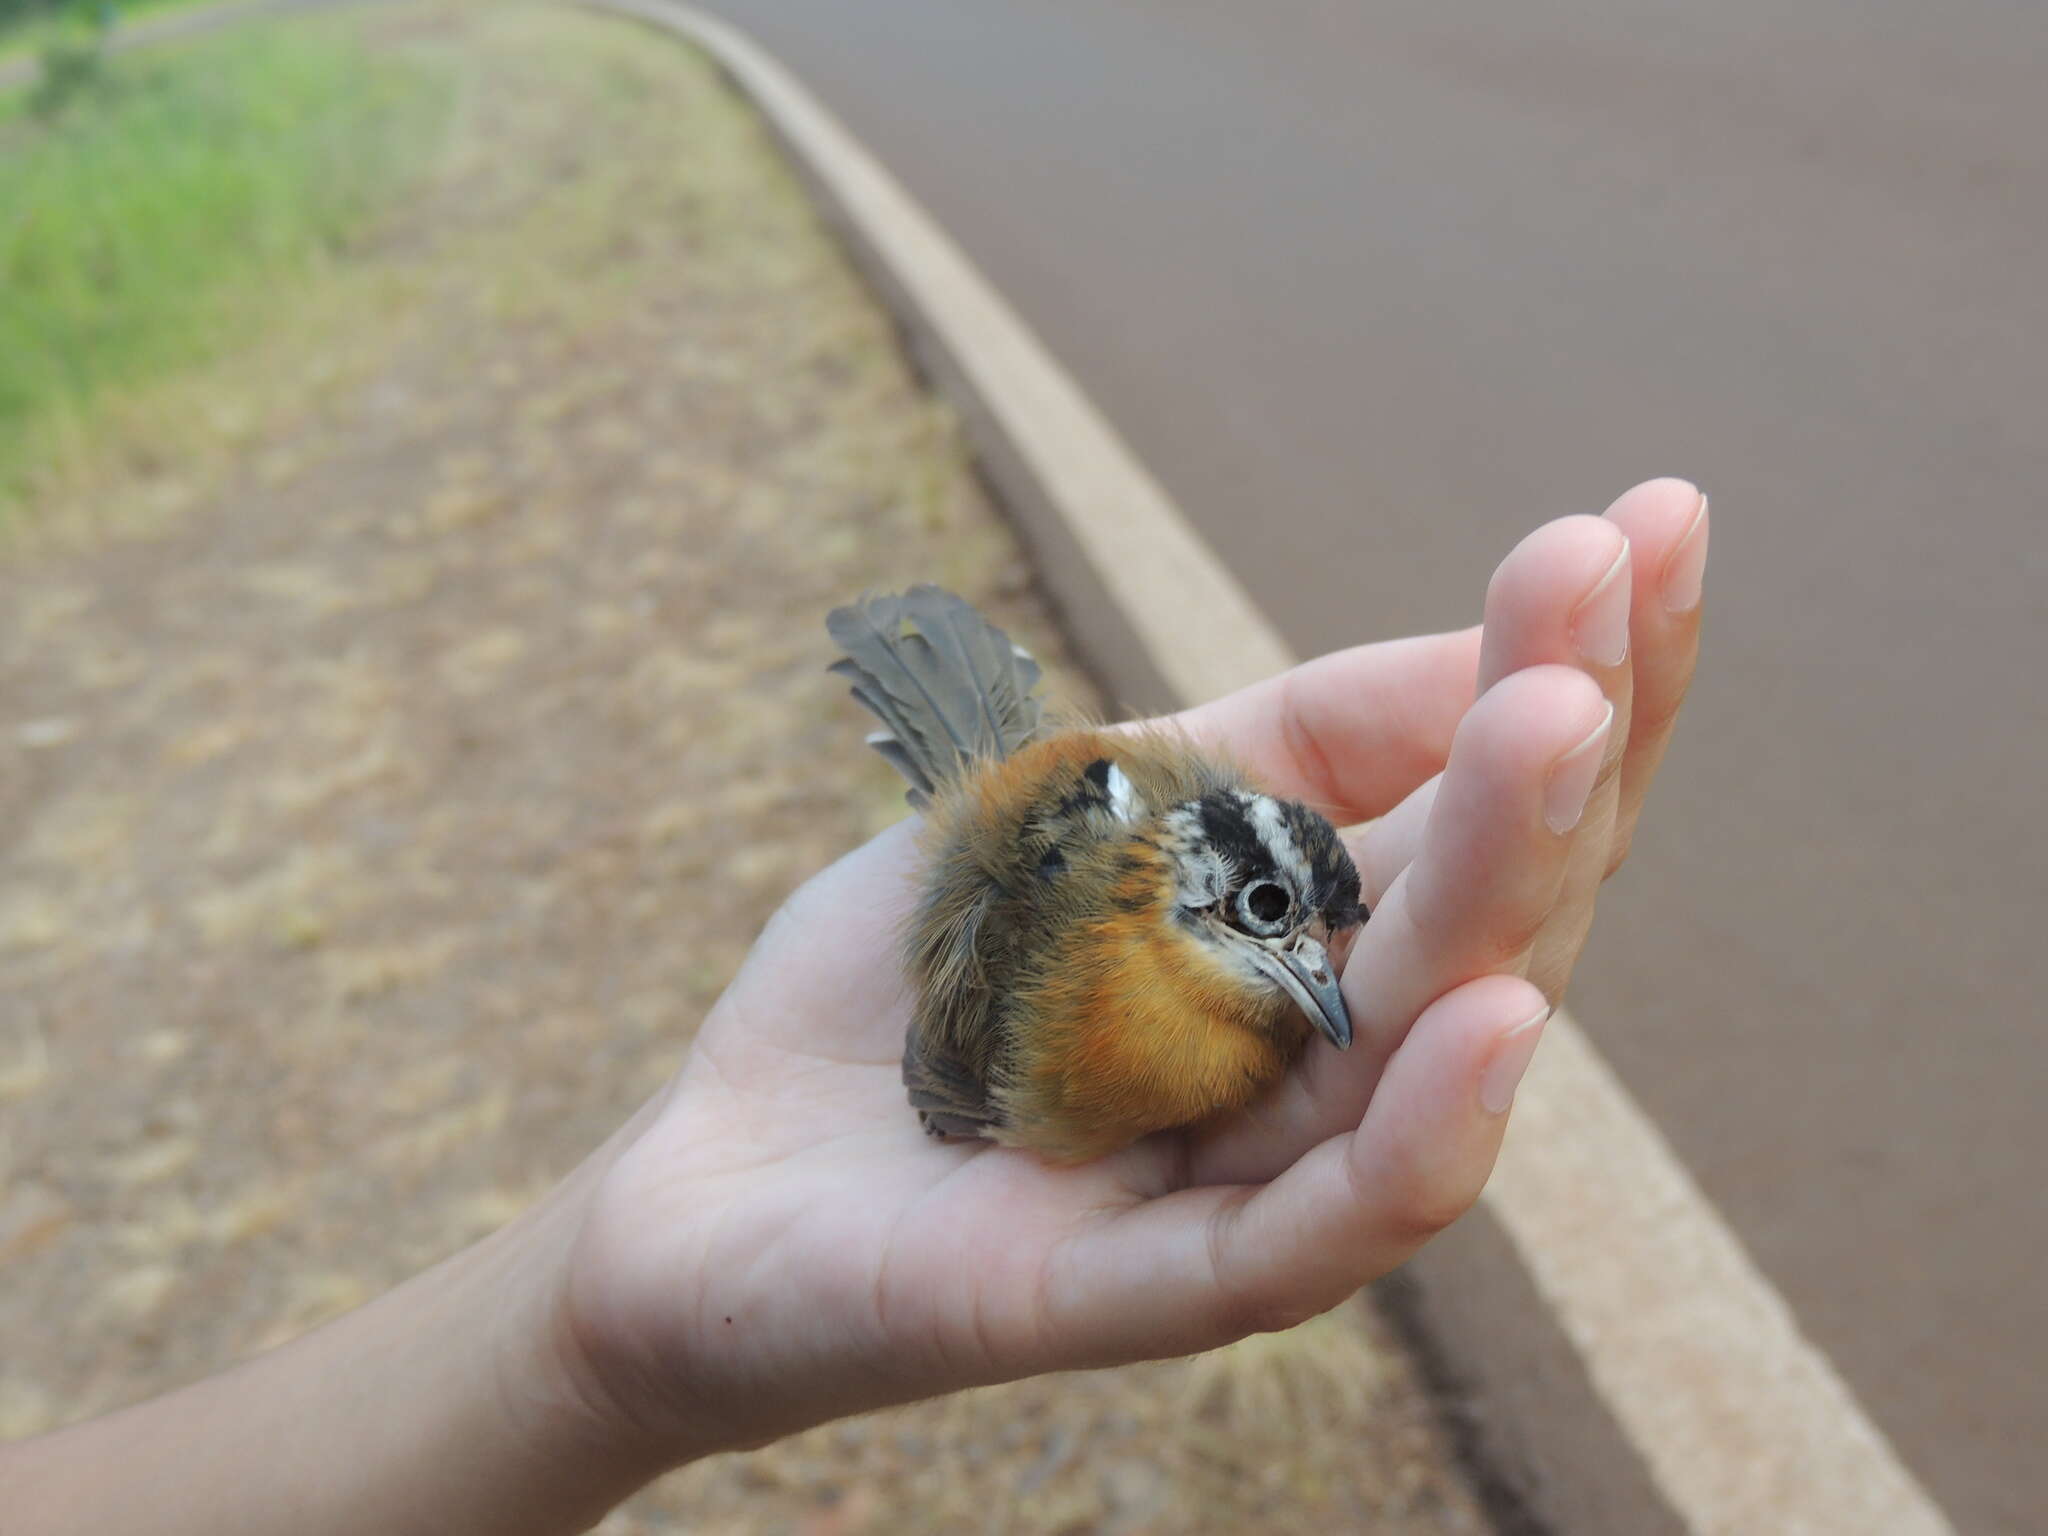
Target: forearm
{"points": [[452, 1404]]}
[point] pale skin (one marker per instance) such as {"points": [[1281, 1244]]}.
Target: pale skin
{"points": [[770, 1242]]}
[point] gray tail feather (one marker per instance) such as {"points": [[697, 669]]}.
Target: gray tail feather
{"points": [[949, 686]]}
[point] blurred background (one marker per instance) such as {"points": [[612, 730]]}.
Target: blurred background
{"points": [[373, 382]]}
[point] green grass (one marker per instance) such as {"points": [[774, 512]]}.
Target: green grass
{"points": [[24, 28], [155, 220]]}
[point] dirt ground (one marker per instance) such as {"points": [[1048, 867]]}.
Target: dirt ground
{"points": [[403, 734]]}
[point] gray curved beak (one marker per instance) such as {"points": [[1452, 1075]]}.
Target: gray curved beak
{"points": [[1304, 970]]}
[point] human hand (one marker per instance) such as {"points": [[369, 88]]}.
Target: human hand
{"points": [[773, 1243]]}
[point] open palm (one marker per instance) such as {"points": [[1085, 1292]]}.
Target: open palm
{"points": [[773, 1242]]}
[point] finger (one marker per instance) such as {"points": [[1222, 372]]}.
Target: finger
{"points": [[1208, 1265], [1667, 527], [1382, 849], [1561, 595], [1483, 883], [1661, 509], [1352, 732], [1493, 854], [1540, 609], [821, 944]]}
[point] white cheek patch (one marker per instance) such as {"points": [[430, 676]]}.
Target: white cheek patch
{"points": [[1124, 803], [1204, 874], [1206, 880]]}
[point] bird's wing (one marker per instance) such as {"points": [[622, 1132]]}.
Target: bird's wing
{"points": [[949, 1096]]}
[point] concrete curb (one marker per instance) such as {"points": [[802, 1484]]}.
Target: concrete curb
{"points": [[1702, 1406]]}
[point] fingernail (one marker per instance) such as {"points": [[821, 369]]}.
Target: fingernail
{"points": [[1572, 776], [1685, 568], [1512, 1053], [1600, 623]]}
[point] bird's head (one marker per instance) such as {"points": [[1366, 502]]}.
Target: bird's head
{"points": [[1267, 886]]}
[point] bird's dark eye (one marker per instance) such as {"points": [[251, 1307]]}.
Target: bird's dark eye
{"points": [[1265, 905]]}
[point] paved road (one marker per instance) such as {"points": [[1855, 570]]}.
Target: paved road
{"points": [[1375, 289]]}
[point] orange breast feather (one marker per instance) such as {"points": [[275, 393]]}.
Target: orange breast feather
{"points": [[1137, 1028]]}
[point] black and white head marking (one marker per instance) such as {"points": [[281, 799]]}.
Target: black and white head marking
{"points": [[1266, 884], [1230, 841]]}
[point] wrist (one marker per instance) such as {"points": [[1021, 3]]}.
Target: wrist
{"points": [[551, 1399]]}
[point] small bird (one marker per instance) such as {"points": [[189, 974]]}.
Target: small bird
{"points": [[1115, 933]]}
